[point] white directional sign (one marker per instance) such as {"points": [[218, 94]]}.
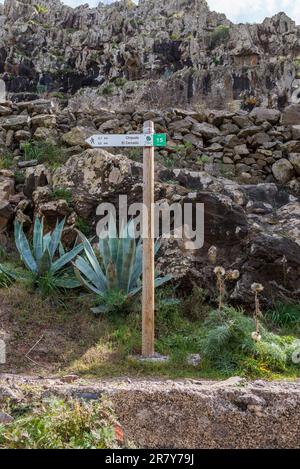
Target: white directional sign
{"points": [[127, 140]]}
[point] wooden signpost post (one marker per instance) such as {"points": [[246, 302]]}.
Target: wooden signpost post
{"points": [[148, 140], [148, 247]]}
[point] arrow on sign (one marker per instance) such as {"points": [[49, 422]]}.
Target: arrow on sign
{"points": [[127, 140]]}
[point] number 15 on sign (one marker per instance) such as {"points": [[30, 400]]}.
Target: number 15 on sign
{"points": [[127, 140]]}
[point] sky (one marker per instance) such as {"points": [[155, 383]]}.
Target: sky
{"points": [[239, 11]]}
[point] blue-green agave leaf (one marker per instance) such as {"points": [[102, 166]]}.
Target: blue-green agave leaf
{"points": [[105, 251], [56, 237], [17, 229], [61, 250], [89, 252], [84, 267], [24, 249], [113, 240], [157, 246], [138, 265], [38, 234], [128, 265], [46, 241], [44, 265], [135, 291], [86, 284], [67, 282], [66, 258], [161, 280], [9, 273]]}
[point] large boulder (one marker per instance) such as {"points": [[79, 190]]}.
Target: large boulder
{"points": [[260, 115], [39, 106], [254, 228], [35, 177], [291, 115], [295, 160], [78, 136], [273, 261], [7, 187], [225, 227], [52, 211], [296, 132], [6, 213], [15, 122], [96, 176], [205, 130], [43, 120], [45, 134], [283, 171]]}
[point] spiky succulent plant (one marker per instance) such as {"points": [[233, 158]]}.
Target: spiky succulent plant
{"points": [[120, 268], [47, 258]]}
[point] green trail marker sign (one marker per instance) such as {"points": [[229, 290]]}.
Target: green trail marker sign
{"points": [[127, 140], [159, 140]]}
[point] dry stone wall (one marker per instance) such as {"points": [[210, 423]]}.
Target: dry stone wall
{"points": [[256, 146]]}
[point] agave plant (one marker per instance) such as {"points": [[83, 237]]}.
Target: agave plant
{"points": [[120, 268], [47, 258]]}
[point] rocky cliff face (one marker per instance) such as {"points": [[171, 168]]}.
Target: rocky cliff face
{"points": [[153, 53]]}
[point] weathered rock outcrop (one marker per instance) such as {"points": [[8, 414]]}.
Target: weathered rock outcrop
{"points": [[255, 228], [154, 52]]}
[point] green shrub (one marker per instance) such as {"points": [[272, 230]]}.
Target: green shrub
{"points": [[297, 63], [62, 193], [120, 81], [220, 35], [135, 154], [44, 152], [5, 280], [59, 95], [19, 177], [203, 160], [6, 161], [227, 343], [83, 226], [176, 336], [40, 9], [216, 61], [284, 315], [59, 424], [195, 306], [115, 302], [108, 89]]}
